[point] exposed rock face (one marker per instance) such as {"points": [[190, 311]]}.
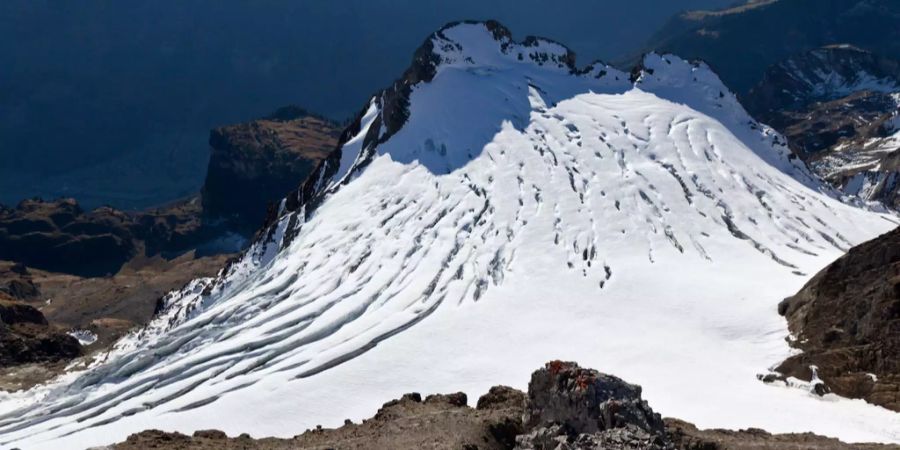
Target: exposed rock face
{"points": [[572, 407], [174, 229], [839, 107], [566, 408], [847, 322], [256, 163], [25, 336]]}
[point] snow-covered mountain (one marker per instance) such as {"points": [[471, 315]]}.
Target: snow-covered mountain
{"points": [[495, 208]]}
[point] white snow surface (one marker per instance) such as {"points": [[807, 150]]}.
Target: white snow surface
{"points": [[522, 214], [85, 337]]}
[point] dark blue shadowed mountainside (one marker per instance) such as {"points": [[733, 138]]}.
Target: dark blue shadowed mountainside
{"points": [[112, 102]]}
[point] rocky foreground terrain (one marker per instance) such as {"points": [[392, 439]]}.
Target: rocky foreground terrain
{"points": [[847, 322], [566, 407]]}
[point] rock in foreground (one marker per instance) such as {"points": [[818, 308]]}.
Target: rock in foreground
{"points": [[571, 407]]}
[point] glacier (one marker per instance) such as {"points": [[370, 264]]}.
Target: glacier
{"points": [[494, 209]]}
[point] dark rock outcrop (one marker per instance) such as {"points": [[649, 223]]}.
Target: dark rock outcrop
{"points": [[59, 236], [256, 163], [20, 288], [569, 407], [26, 337], [847, 322]]}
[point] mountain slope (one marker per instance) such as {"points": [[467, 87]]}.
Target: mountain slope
{"points": [[495, 208]]}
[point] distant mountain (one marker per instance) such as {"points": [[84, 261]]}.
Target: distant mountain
{"points": [[740, 43], [821, 75], [495, 205], [839, 107]]}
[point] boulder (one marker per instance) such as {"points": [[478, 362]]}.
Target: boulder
{"points": [[572, 407]]}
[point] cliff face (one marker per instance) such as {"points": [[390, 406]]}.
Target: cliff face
{"points": [[847, 322], [256, 163]]}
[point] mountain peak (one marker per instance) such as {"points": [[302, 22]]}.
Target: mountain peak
{"points": [[480, 43]]}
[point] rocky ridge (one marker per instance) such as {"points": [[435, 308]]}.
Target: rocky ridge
{"points": [[566, 408], [59, 236]]}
